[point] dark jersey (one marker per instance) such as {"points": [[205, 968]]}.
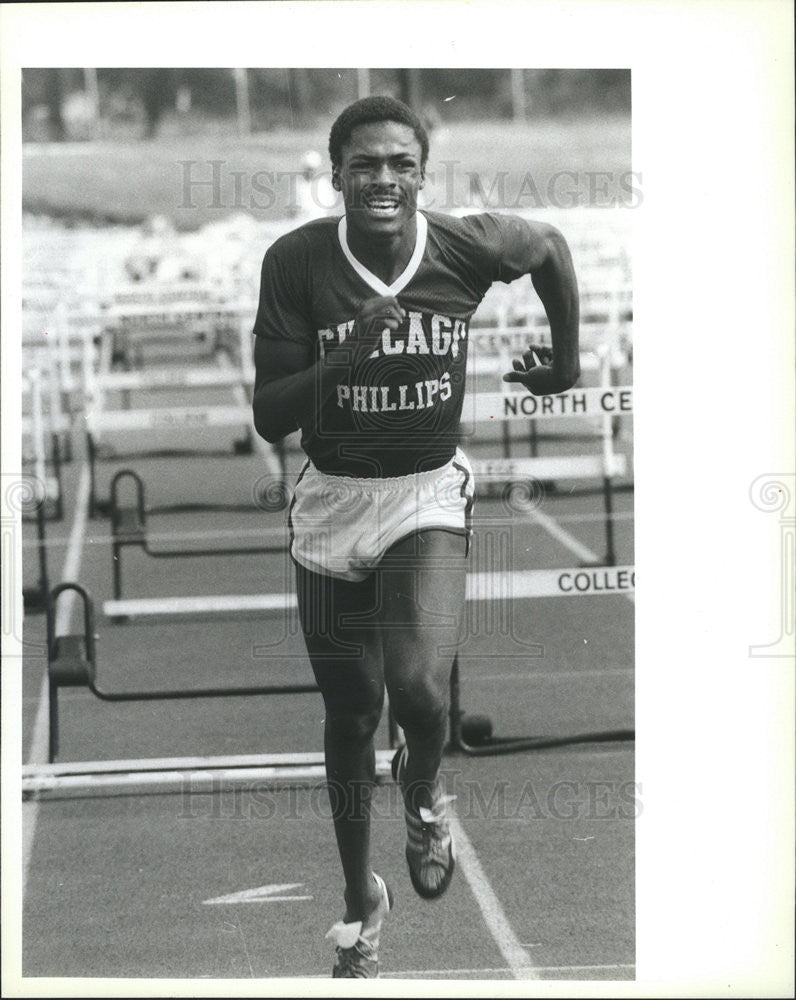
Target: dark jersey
{"points": [[399, 412]]}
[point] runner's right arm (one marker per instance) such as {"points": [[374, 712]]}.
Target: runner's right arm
{"points": [[289, 385]]}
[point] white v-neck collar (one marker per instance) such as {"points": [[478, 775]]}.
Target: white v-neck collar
{"points": [[373, 280]]}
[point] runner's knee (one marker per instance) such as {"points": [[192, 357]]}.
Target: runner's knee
{"points": [[419, 704], [353, 727]]}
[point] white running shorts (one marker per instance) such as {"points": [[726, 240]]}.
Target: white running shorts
{"points": [[341, 526]]}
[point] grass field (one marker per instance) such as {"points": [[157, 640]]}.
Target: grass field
{"points": [[124, 182]]}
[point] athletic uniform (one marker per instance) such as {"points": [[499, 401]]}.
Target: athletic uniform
{"points": [[395, 422]]}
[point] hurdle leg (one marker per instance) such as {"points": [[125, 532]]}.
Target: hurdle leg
{"points": [[52, 687], [117, 570], [52, 749], [506, 439], [35, 599], [608, 465], [608, 504], [59, 504], [92, 475], [533, 438], [44, 583], [244, 445], [96, 507]]}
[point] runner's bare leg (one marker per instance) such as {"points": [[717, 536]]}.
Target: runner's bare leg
{"points": [[347, 663], [423, 590]]}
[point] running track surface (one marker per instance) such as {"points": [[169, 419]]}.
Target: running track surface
{"points": [[118, 885]]}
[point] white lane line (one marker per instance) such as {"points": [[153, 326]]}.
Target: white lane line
{"points": [[262, 894], [516, 956], [554, 529], [38, 746], [619, 515]]}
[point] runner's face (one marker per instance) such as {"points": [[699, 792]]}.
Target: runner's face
{"points": [[380, 175]]}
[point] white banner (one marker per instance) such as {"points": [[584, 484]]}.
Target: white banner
{"points": [[595, 401], [170, 378], [577, 582], [509, 470], [183, 416]]}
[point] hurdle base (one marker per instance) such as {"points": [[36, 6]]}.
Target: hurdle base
{"points": [[243, 446], [101, 508], [494, 746], [34, 600]]}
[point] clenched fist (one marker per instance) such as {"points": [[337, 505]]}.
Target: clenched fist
{"points": [[374, 316]]}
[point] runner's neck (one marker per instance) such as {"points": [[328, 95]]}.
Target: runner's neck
{"points": [[387, 258]]}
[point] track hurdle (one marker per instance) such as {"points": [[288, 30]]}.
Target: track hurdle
{"points": [[99, 420], [59, 400], [136, 328], [129, 528], [98, 375], [35, 598], [173, 418], [159, 419], [72, 662], [37, 428], [494, 349], [63, 353], [603, 403]]}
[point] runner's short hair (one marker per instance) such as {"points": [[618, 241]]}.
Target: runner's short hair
{"points": [[374, 109]]}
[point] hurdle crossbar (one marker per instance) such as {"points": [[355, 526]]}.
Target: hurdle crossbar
{"points": [[508, 470], [595, 401], [507, 340], [497, 364], [139, 315], [194, 775], [520, 584], [233, 370], [160, 418], [170, 378], [59, 424]]}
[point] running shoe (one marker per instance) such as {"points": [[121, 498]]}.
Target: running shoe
{"points": [[357, 947], [430, 853]]}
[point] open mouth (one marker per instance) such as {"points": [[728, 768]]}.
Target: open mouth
{"points": [[382, 206]]}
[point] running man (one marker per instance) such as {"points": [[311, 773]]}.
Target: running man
{"points": [[361, 343]]}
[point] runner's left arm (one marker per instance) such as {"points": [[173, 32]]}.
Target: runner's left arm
{"points": [[546, 256]]}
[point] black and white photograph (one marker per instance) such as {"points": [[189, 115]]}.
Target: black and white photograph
{"points": [[323, 488]]}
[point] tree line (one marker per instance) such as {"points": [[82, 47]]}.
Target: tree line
{"points": [[265, 99]]}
